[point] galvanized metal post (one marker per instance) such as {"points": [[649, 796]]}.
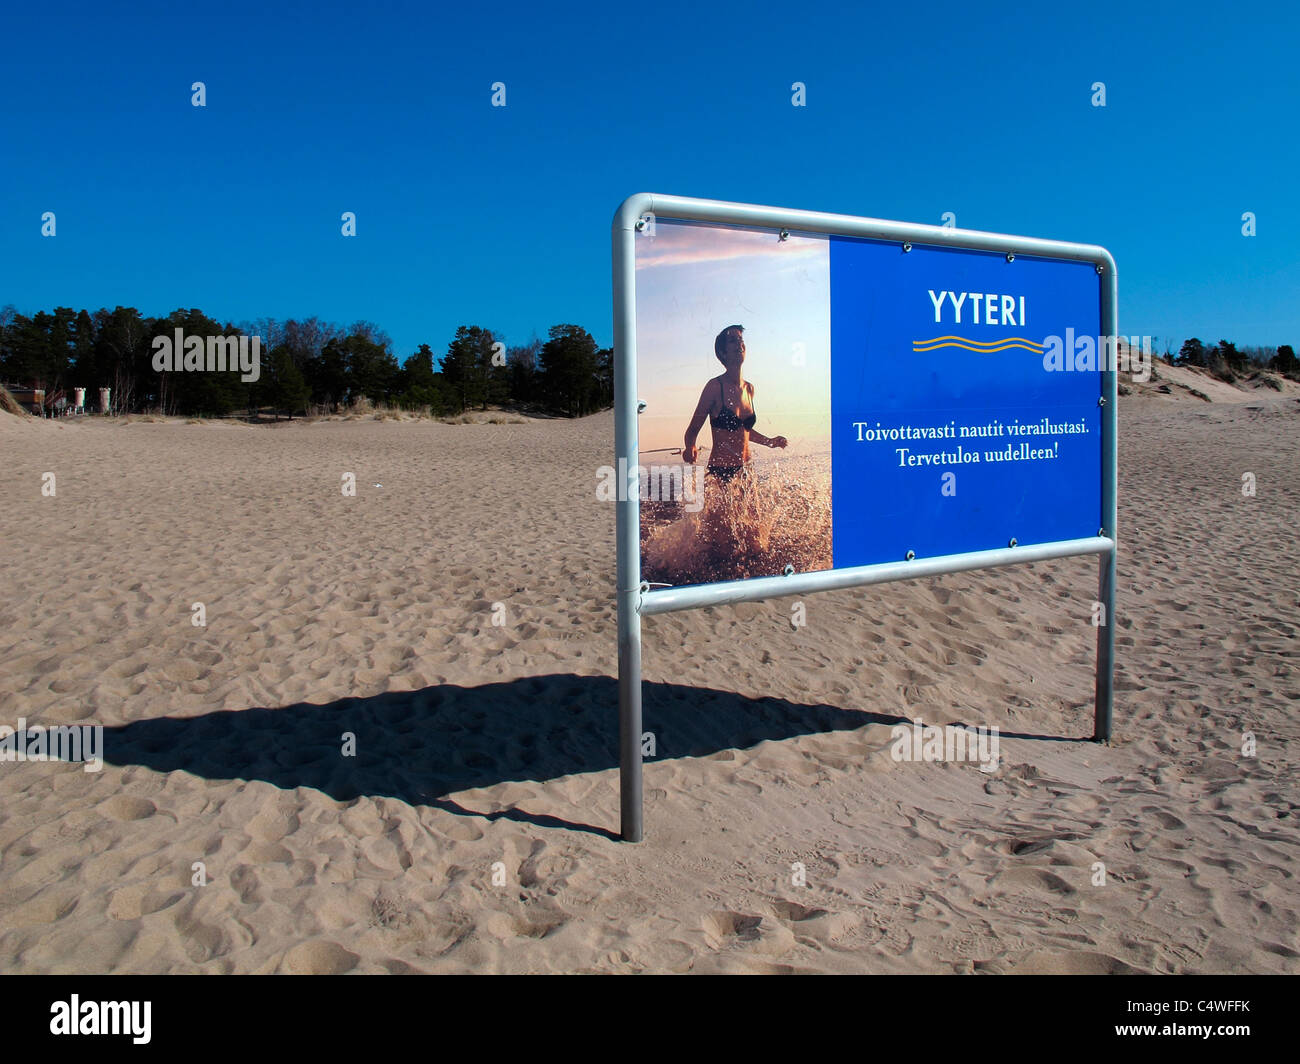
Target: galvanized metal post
{"points": [[628, 520], [1105, 689]]}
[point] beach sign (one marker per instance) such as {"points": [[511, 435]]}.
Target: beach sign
{"points": [[809, 401]]}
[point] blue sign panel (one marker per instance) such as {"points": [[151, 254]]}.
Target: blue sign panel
{"points": [[964, 401]]}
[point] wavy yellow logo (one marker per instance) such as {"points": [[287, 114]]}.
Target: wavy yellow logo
{"points": [[983, 346]]}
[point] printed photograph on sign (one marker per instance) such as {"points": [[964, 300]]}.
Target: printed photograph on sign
{"points": [[733, 364]]}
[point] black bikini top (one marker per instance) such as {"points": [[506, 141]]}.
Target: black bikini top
{"points": [[729, 421]]}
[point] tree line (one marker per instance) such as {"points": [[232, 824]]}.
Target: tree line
{"points": [[311, 364], [1226, 361], [304, 365]]}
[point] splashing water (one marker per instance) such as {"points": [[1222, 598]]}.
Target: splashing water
{"points": [[752, 525]]}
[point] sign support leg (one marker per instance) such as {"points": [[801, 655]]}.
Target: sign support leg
{"points": [[629, 715], [627, 223], [1105, 700]]}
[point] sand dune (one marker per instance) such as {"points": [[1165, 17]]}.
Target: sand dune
{"points": [[478, 743]]}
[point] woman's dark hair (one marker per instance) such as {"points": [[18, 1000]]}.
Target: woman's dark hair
{"points": [[720, 344]]}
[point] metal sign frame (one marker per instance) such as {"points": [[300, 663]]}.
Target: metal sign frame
{"points": [[634, 601]]}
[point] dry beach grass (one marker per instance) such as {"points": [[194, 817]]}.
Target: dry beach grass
{"points": [[478, 744]]}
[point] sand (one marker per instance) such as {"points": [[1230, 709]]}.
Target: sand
{"points": [[473, 830]]}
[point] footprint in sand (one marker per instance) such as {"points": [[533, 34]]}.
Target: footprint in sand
{"points": [[720, 927], [319, 958], [123, 807], [1074, 962], [46, 908], [131, 903], [1035, 879]]}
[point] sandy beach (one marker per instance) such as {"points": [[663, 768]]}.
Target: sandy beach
{"points": [[474, 829]]}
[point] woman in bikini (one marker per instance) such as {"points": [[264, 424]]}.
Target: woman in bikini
{"points": [[727, 401]]}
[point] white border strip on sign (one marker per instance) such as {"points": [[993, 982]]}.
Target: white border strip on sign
{"points": [[634, 598]]}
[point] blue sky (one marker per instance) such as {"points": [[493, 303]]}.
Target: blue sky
{"points": [[470, 214]]}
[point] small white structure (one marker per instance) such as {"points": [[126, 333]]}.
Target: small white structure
{"points": [[103, 400]]}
